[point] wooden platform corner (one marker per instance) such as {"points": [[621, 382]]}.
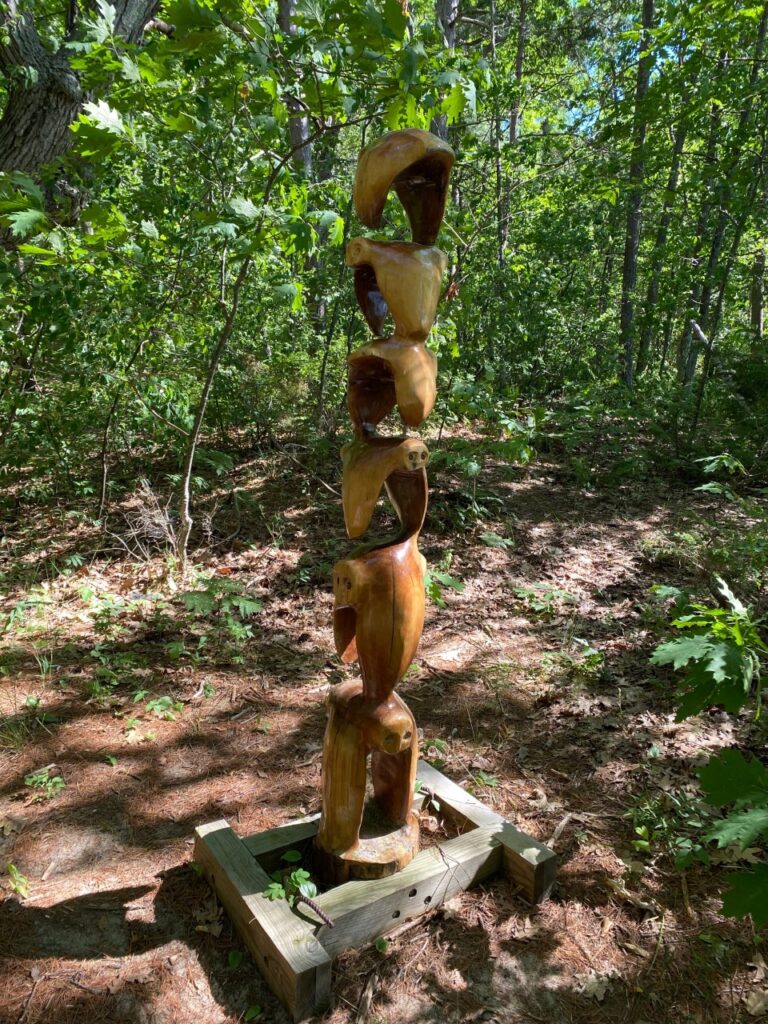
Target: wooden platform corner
{"points": [[294, 949]]}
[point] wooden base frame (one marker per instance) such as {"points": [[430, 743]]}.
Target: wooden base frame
{"points": [[294, 949]]}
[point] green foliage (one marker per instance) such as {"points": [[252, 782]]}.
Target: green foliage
{"points": [[434, 751], [732, 779], [671, 825], [436, 579], [18, 883], [164, 707], [748, 894], [720, 652], [290, 886], [227, 604], [543, 598], [46, 786], [726, 648]]}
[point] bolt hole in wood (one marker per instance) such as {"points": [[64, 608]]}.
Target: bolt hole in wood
{"points": [[396, 914], [427, 899], [412, 893]]}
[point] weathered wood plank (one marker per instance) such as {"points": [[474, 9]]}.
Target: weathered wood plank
{"points": [[528, 862], [364, 910], [292, 961], [269, 846]]}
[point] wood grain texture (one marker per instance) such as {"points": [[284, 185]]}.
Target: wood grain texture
{"points": [[295, 965], [407, 279], [527, 861], [379, 604], [417, 164], [388, 373], [363, 910], [269, 846], [368, 465], [379, 599], [357, 726]]}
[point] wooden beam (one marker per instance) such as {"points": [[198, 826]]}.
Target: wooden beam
{"points": [[364, 910], [526, 861], [292, 961], [269, 846]]}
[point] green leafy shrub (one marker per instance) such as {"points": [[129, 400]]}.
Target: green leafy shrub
{"points": [[731, 780], [46, 786], [721, 653]]}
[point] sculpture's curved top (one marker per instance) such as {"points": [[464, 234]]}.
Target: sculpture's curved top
{"points": [[417, 164]]}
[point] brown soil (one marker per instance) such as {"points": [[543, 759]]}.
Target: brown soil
{"points": [[118, 927]]}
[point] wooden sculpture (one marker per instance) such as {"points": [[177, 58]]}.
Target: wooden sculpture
{"points": [[378, 590]]}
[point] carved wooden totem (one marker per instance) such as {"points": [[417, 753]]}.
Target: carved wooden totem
{"points": [[379, 589]]}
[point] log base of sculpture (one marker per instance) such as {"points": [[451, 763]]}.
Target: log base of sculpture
{"points": [[294, 949]]}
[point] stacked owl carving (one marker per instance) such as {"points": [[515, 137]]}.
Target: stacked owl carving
{"points": [[378, 589]]}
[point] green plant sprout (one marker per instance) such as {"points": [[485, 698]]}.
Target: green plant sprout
{"points": [[48, 786], [295, 885], [18, 883]]}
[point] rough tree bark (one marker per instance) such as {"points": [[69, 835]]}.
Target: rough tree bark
{"points": [[634, 200], [704, 290], [514, 116], [44, 92], [298, 124], [757, 301], [447, 12]]}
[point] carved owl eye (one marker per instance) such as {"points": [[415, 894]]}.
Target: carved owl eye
{"points": [[423, 456], [391, 743]]}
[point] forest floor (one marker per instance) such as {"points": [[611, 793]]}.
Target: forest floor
{"points": [[532, 687]]}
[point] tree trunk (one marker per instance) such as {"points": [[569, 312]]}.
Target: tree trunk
{"points": [[659, 245], [447, 14], [756, 302], [701, 294], [185, 517], [634, 200], [501, 206], [686, 354], [514, 116], [44, 92], [757, 183], [298, 123]]}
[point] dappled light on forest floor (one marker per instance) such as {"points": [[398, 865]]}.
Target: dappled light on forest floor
{"points": [[532, 688]]}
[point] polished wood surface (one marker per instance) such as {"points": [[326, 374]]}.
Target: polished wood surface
{"points": [[368, 464], [391, 373], [407, 279], [417, 165], [378, 612], [379, 600]]}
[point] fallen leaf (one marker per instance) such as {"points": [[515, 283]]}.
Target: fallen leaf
{"points": [[481, 763], [212, 929], [761, 968], [757, 1003], [595, 985], [10, 825]]}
